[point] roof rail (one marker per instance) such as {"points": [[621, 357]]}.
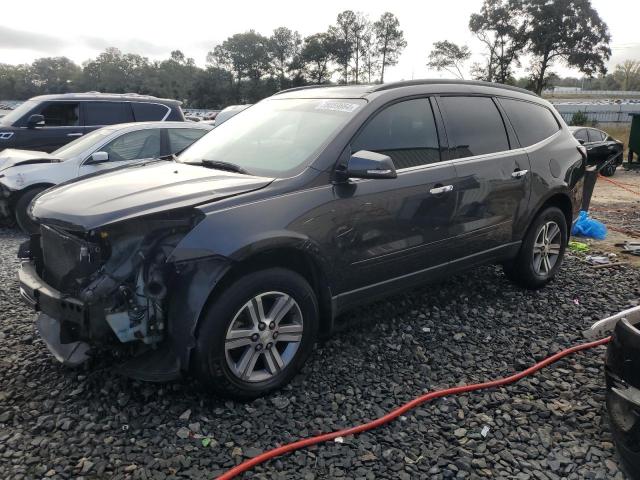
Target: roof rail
{"points": [[409, 83], [306, 87]]}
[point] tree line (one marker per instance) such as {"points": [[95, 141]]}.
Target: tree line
{"points": [[242, 69], [568, 32], [249, 66]]}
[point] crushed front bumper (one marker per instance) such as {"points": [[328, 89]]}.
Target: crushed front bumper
{"points": [[66, 327], [60, 320]]}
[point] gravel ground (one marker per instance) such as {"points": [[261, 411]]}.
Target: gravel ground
{"points": [[90, 423]]}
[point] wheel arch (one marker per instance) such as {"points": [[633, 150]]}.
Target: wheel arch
{"points": [[19, 193], [558, 199], [295, 256]]}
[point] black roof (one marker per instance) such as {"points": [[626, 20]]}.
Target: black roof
{"points": [[126, 97], [360, 91]]}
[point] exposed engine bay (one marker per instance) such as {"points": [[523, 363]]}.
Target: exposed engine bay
{"points": [[113, 281]]}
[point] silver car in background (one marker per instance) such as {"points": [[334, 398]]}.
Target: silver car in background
{"points": [[26, 173]]}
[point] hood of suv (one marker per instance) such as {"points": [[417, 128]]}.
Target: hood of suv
{"points": [[12, 157], [138, 190]]}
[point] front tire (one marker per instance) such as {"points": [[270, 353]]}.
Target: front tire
{"points": [[25, 223], [541, 252], [257, 334]]}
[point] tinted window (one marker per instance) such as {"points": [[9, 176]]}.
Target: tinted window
{"points": [[107, 113], [181, 138], [474, 126], [533, 123], [149, 112], [596, 135], [61, 114], [581, 135], [134, 145], [405, 131]]}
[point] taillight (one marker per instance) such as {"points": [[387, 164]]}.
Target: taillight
{"points": [[583, 152]]}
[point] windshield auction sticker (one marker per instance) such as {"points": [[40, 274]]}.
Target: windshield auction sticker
{"points": [[337, 106]]}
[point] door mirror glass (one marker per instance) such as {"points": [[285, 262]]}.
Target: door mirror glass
{"points": [[98, 157], [35, 121], [366, 164]]}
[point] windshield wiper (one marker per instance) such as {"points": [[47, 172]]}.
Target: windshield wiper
{"points": [[231, 167]]}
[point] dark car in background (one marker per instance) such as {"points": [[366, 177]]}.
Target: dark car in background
{"points": [[232, 259], [603, 150], [47, 122]]}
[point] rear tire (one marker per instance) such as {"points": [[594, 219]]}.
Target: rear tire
{"points": [[541, 252], [257, 334], [26, 224], [609, 170]]}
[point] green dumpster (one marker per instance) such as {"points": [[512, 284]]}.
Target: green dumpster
{"points": [[634, 137]]}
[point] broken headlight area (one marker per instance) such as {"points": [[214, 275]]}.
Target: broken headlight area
{"points": [[113, 283]]}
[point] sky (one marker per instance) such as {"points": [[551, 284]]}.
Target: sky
{"points": [[76, 29]]}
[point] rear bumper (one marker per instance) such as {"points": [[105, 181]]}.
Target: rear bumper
{"points": [[622, 370]]}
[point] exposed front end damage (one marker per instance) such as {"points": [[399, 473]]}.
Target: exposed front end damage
{"points": [[122, 287]]}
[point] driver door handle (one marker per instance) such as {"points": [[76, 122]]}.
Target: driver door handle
{"points": [[519, 173], [443, 189]]}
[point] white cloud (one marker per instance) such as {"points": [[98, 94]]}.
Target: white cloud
{"points": [[155, 28]]}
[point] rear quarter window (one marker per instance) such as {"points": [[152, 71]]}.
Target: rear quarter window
{"points": [[532, 123], [149, 112], [181, 138]]}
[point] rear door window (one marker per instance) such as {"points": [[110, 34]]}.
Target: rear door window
{"points": [[596, 135], [61, 114], [405, 131], [582, 135], [134, 145], [532, 123], [474, 126], [181, 138], [149, 112], [107, 113]]}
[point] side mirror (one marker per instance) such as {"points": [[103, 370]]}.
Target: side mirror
{"points": [[97, 157], [581, 141], [366, 164], [35, 121]]}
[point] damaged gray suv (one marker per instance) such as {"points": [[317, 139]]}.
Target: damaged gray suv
{"points": [[231, 259]]}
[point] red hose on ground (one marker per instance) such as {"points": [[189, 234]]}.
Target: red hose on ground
{"points": [[290, 447], [617, 184]]}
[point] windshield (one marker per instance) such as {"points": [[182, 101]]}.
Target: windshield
{"points": [[18, 112], [81, 144], [274, 137]]}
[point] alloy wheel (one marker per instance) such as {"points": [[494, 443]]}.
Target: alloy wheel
{"points": [[264, 336], [546, 248]]}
